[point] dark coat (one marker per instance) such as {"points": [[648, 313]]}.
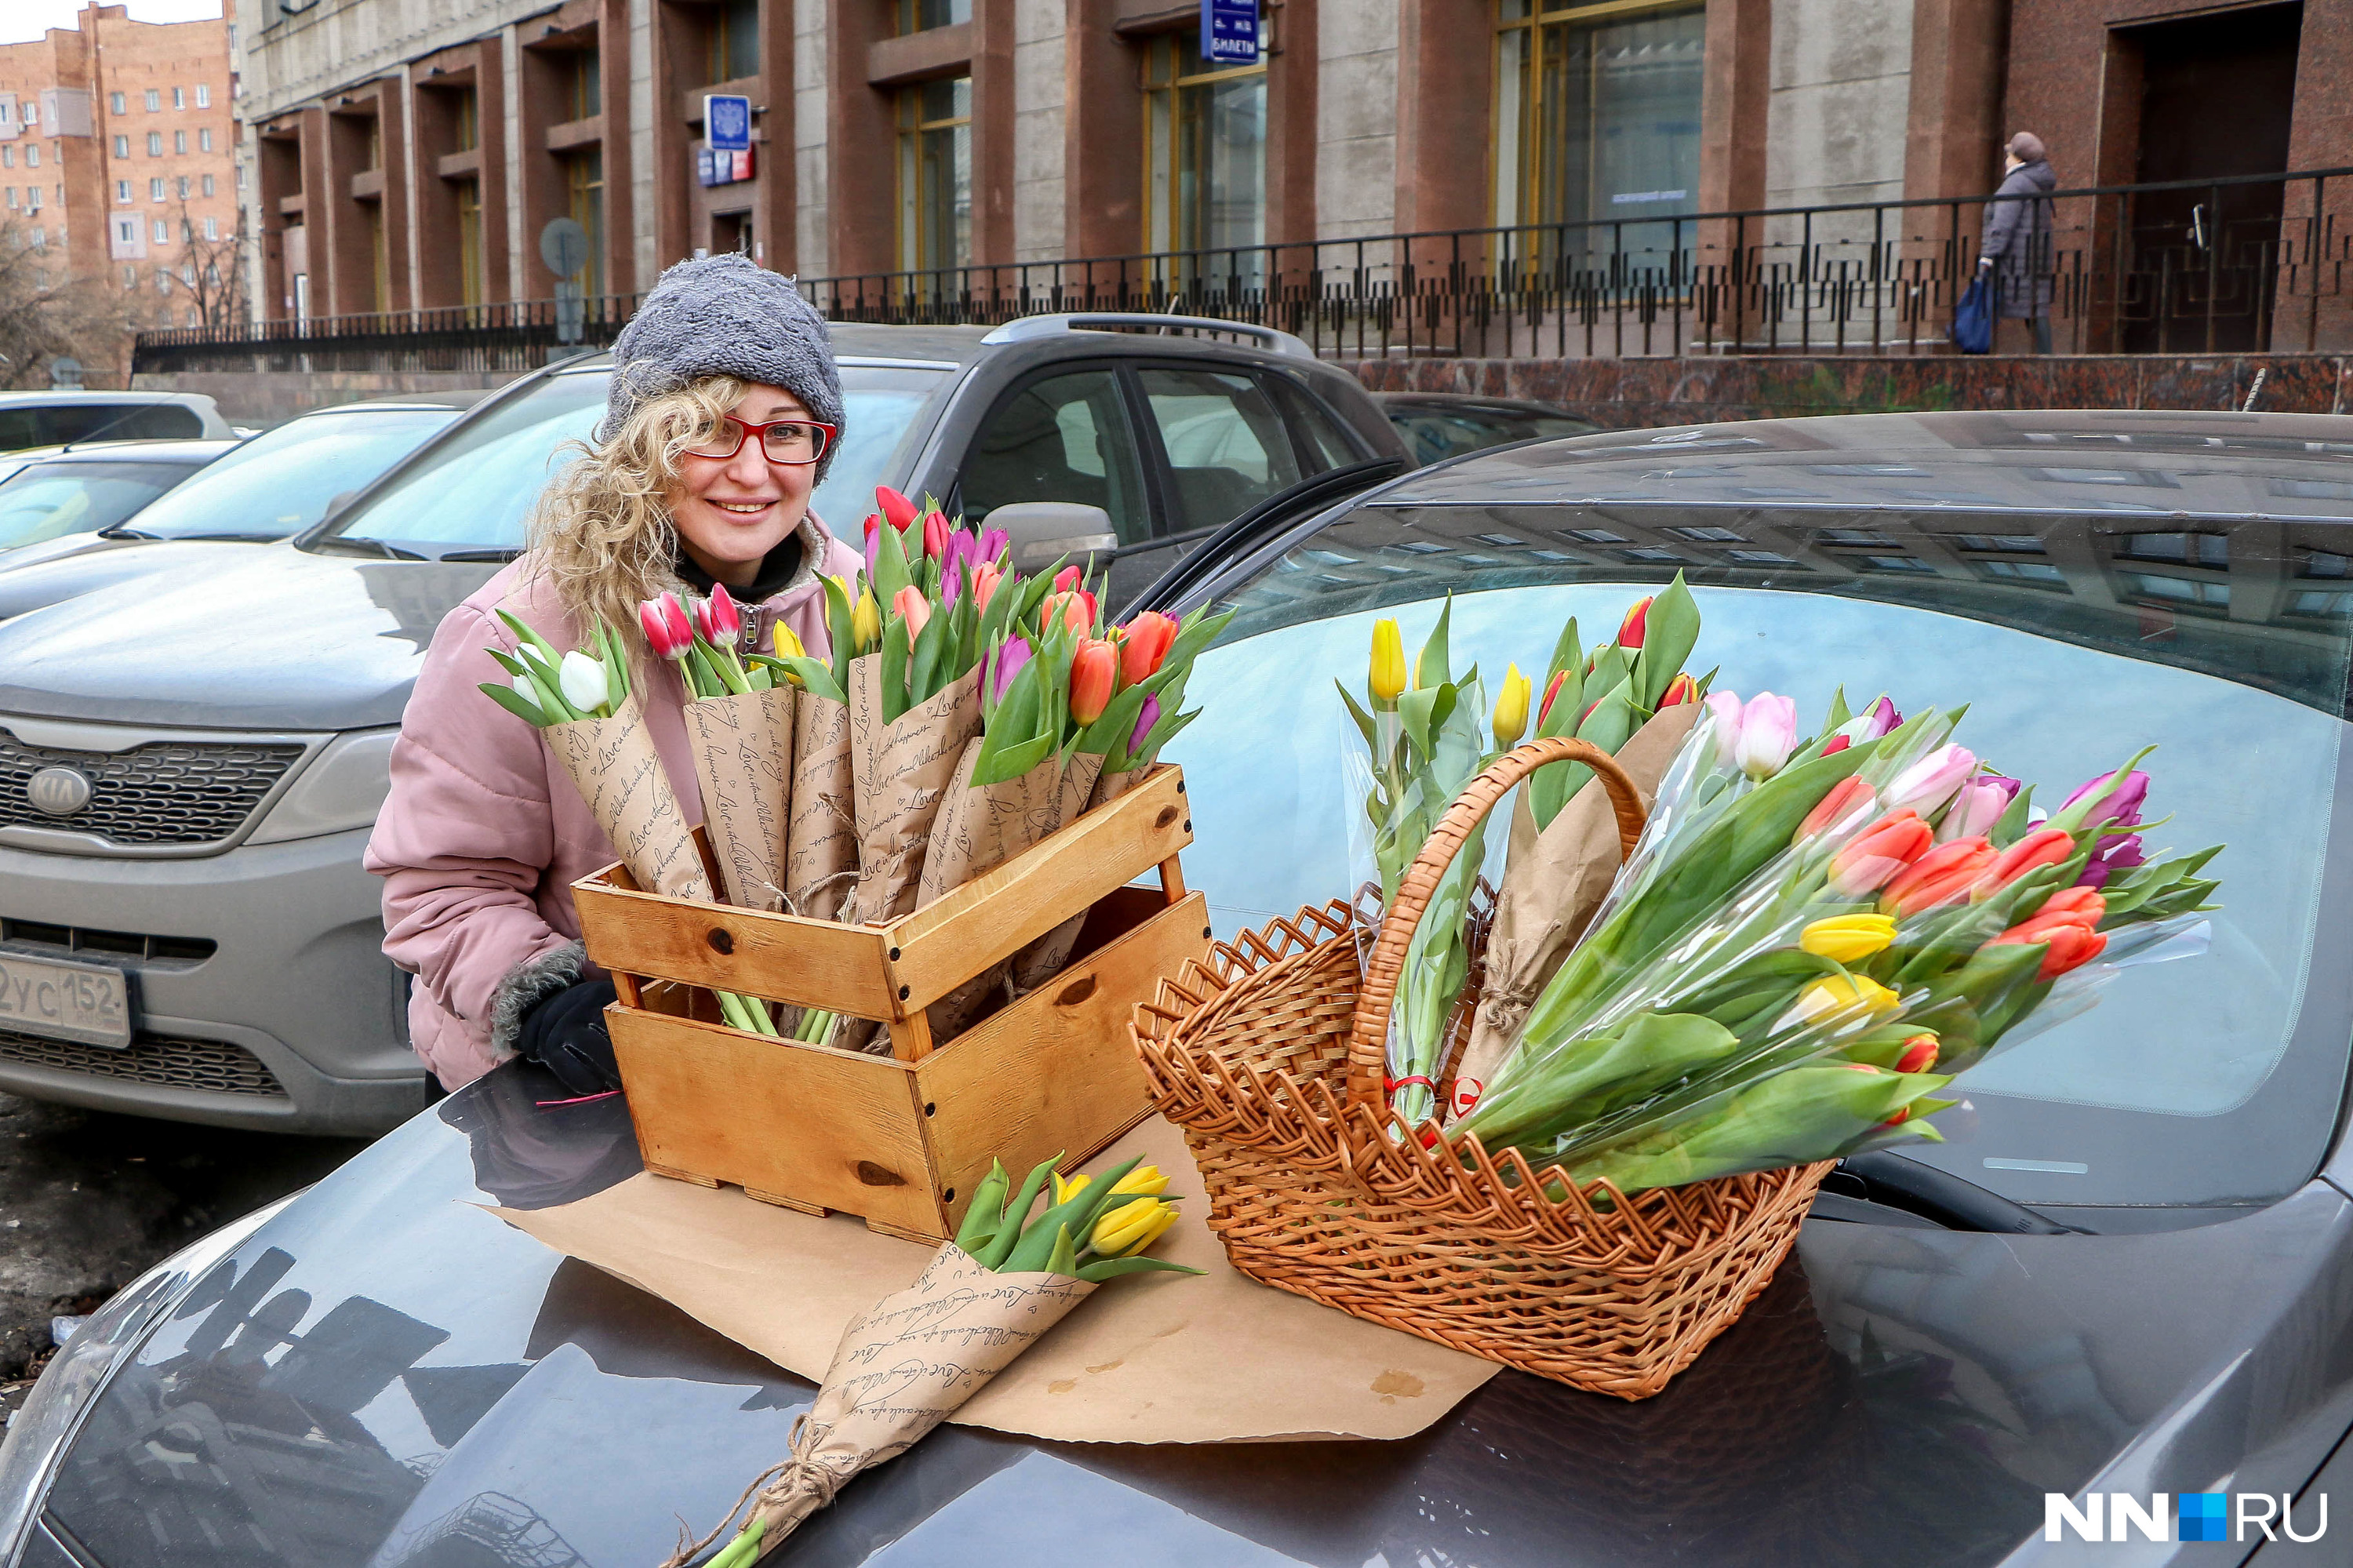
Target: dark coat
{"points": [[2018, 238]]}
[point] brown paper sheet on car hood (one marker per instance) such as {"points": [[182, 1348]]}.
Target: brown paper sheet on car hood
{"points": [[1158, 1357]]}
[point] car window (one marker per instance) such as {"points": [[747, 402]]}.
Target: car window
{"points": [[279, 482], [1434, 437], [48, 501], [1227, 450], [1064, 438], [1320, 435], [879, 408], [55, 424]]}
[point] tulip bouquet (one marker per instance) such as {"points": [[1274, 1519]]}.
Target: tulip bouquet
{"points": [[916, 1356], [1815, 936]]}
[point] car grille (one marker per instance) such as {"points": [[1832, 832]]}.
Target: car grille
{"points": [[161, 793], [184, 952], [163, 1061]]}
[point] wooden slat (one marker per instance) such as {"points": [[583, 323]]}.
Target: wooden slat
{"points": [[813, 963], [1055, 1071], [992, 918], [825, 1128]]}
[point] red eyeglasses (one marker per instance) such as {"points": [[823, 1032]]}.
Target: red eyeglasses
{"points": [[794, 442]]}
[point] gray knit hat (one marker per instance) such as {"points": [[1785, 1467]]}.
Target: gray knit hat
{"points": [[721, 315]]}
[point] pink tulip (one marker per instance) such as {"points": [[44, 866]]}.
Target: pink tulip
{"points": [[1931, 781], [668, 631], [1977, 808], [1768, 733], [717, 618], [1725, 707]]}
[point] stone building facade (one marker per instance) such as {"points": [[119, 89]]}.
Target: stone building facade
{"points": [[408, 153], [117, 145]]}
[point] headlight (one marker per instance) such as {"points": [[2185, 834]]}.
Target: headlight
{"points": [[344, 788], [77, 1373]]}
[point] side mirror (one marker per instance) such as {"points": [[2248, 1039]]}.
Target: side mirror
{"points": [[1043, 532]]}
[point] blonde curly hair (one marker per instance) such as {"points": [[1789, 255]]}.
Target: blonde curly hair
{"points": [[601, 531]]}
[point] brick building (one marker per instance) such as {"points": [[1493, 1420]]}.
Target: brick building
{"points": [[409, 154], [117, 154]]}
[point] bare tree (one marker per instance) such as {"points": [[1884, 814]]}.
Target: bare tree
{"points": [[46, 312], [212, 271]]}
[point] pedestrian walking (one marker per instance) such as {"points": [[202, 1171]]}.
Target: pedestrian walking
{"points": [[2014, 249], [723, 414]]}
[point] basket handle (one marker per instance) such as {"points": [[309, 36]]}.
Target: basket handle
{"points": [[1369, 1040]]}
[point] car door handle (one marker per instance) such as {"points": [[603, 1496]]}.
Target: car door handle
{"points": [[2198, 225]]}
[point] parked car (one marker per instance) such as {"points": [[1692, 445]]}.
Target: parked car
{"points": [[1440, 425], [2126, 1270], [270, 487], [83, 492], [54, 419], [231, 722]]}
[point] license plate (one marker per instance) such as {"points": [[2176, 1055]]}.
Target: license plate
{"points": [[65, 1002]]}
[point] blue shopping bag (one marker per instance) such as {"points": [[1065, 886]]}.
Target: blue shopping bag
{"points": [[1973, 317]]}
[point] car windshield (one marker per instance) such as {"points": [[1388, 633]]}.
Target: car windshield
{"points": [[1435, 434], [50, 500], [2074, 640], [474, 492], [280, 481]]}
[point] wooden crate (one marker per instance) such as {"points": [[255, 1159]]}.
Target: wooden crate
{"points": [[901, 1140]]}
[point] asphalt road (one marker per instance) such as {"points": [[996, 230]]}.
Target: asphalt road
{"points": [[88, 1202]]}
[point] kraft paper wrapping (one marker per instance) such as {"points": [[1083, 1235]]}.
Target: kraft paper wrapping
{"points": [[899, 773], [613, 763], [903, 1366], [821, 843], [1042, 959], [1553, 882], [1156, 1357], [743, 760]]}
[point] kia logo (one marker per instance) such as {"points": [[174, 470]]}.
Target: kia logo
{"points": [[59, 791]]}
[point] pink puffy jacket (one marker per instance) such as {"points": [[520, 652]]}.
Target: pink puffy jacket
{"points": [[483, 834]]}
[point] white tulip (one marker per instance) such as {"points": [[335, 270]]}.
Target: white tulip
{"points": [[528, 690], [582, 679]]}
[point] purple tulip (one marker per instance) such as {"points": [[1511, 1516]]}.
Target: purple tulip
{"points": [[1933, 780], [2115, 855], [1977, 806], [873, 547], [994, 542], [2121, 807], [952, 566], [1011, 655], [1884, 719], [1144, 723]]}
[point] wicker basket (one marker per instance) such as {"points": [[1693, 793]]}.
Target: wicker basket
{"points": [[1271, 1058]]}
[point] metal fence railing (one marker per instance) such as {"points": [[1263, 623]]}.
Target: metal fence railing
{"points": [[2247, 263]]}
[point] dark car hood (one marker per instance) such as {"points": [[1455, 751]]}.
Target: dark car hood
{"points": [[1896, 1396], [237, 636]]}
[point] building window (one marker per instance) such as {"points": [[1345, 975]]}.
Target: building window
{"points": [[130, 278], [587, 84], [206, 183], [12, 196], [181, 187], [162, 232], [470, 242], [734, 40], [33, 198], [121, 192], [936, 176], [180, 142], [583, 181], [113, 103], [203, 96], [469, 125], [921, 16], [41, 235], [203, 141], [1204, 149], [154, 144], [126, 231], [212, 228], [33, 155], [1596, 115], [122, 146], [374, 143], [32, 112], [7, 157], [163, 280], [179, 98], [156, 189], [154, 100], [240, 176], [380, 259]]}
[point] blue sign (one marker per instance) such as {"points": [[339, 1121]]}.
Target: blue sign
{"points": [[727, 121], [1230, 32]]}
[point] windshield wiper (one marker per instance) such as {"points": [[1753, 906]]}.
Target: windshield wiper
{"points": [[119, 532], [502, 555], [1891, 1182], [355, 545]]}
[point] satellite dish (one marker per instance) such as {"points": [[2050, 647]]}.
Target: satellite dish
{"points": [[564, 246], [65, 375]]}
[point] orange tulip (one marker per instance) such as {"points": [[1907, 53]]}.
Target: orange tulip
{"points": [[1882, 851], [1681, 689], [1846, 797], [1143, 643], [1075, 608], [910, 605], [1629, 631], [1943, 876], [2068, 923], [985, 579], [1095, 672], [2045, 846]]}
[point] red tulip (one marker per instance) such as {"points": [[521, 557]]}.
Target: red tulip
{"points": [[936, 535], [668, 632], [2068, 922], [1094, 671], [1144, 643], [910, 605], [1629, 631], [1919, 1054], [1838, 743], [717, 618], [895, 506], [985, 579], [1066, 580], [1681, 689], [1552, 690], [2045, 846], [1943, 876], [1882, 851], [1846, 797]]}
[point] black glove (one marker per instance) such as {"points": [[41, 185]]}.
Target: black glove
{"points": [[565, 1033]]}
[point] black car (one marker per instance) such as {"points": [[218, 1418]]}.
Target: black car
{"points": [[1440, 425], [2129, 1271]]}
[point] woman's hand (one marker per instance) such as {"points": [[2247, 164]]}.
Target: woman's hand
{"points": [[565, 1033]]}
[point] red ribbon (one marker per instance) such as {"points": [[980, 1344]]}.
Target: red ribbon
{"points": [[1391, 1086]]}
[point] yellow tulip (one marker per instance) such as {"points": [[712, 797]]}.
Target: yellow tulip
{"points": [[1512, 709], [787, 645], [1837, 993], [865, 623], [1847, 938], [1132, 1226], [1142, 1181], [1388, 682]]}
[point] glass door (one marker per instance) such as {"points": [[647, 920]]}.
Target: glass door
{"points": [[1205, 165]]}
